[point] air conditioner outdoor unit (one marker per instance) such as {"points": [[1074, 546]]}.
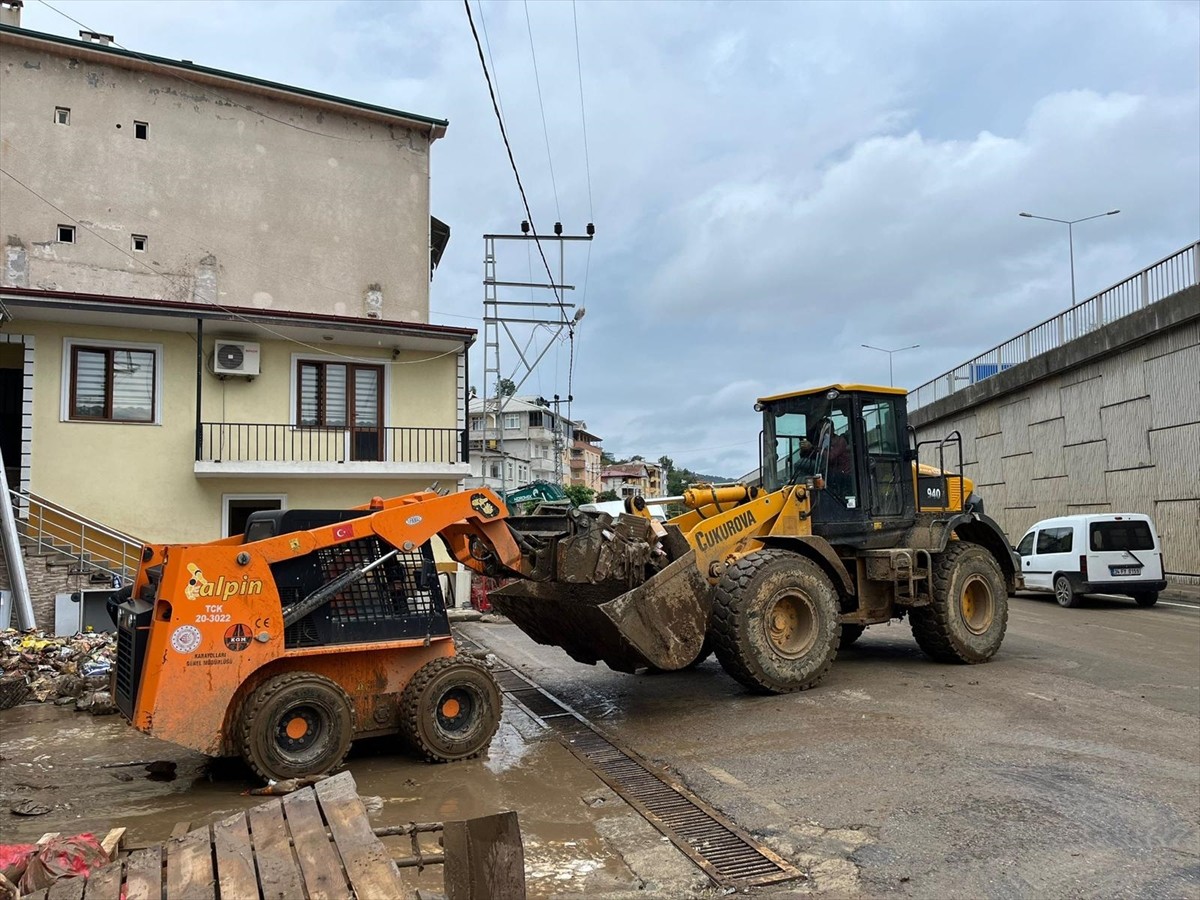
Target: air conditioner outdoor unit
{"points": [[235, 358], [492, 443]]}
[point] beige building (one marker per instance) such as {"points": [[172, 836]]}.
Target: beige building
{"points": [[137, 176], [585, 465], [215, 294]]}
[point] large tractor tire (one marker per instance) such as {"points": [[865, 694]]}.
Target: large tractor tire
{"points": [[295, 725], [775, 622], [966, 620], [450, 710]]}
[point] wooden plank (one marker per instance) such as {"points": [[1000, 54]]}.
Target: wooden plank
{"points": [[364, 857], [235, 859], [112, 842], [143, 874], [180, 829], [278, 875], [319, 861], [67, 889], [189, 867], [484, 858], [48, 837], [105, 883]]}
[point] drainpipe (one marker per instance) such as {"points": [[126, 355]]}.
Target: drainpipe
{"points": [[199, 383], [12, 553]]}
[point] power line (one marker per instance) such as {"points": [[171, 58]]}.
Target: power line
{"points": [[545, 130], [231, 313], [491, 60], [175, 74], [583, 116], [517, 175]]}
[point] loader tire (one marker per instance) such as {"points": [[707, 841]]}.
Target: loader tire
{"points": [[967, 617], [450, 710], [295, 725], [850, 634], [775, 622]]}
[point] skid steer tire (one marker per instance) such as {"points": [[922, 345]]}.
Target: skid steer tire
{"points": [[850, 634], [450, 710], [967, 617], [295, 725], [775, 622]]}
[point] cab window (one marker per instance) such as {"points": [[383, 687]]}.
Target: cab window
{"points": [[880, 428]]}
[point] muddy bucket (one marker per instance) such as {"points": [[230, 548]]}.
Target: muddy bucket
{"points": [[659, 624]]}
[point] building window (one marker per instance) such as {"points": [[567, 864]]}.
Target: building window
{"points": [[62, 115], [495, 470], [345, 396], [141, 130], [66, 234], [112, 383], [139, 243], [477, 423], [512, 421]]}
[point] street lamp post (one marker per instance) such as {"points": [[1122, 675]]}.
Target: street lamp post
{"points": [[1070, 223], [891, 379]]}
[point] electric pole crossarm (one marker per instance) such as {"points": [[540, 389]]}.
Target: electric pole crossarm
{"points": [[539, 237], [531, 284], [530, 303]]}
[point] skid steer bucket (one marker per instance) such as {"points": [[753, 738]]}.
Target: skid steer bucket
{"points": [[658, 624]]}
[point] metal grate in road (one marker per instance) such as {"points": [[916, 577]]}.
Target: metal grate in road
{"points": [[724, 851]]}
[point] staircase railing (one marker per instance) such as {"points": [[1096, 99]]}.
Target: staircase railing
{"points": [[52, 528]]}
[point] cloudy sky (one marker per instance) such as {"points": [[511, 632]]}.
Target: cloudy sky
{"points": [[772, 184]]}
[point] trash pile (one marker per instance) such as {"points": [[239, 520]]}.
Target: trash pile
{"points": [[62, 670]]}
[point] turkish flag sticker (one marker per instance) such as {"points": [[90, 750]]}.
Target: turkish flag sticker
{"points": [[341, 532]]}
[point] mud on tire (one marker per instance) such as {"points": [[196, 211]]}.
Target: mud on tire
{"points": [[293, 725], [968, 615], [775, 622], [450, 710]]}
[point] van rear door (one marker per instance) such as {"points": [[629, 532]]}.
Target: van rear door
{"points": [[1122, 550]]}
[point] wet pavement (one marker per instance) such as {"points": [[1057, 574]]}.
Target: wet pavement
{"points": [[1069, 766]]}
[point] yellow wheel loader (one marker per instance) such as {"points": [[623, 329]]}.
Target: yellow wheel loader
{"points": [[851, 526]]}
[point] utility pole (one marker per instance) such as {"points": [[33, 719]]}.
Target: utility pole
{"points": [[554, 316]]}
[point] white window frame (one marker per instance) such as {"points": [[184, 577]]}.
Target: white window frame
{"points": [[59, 118], [512, 421], [476, 423], [64, 410], [58, 234], [225, 498]]}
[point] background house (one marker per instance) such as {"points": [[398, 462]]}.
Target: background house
{"points": [[215, 294], [518, 445], [585, 464]]}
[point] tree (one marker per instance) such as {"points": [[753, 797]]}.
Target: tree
{"points": [[637, 459], [607, 459], [505, 387], [606, 495], [579, 494], [667, 463]]}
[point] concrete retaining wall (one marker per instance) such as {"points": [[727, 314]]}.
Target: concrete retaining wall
{"points": [[1107, 423]]}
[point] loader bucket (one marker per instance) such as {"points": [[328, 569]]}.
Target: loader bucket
{"points": [[658, 624]]}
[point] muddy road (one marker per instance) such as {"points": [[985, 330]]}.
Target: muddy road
{"points": [[1069, 766]]}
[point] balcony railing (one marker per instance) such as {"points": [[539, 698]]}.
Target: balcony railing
{"points": [[1168, 276], [259, 442]]}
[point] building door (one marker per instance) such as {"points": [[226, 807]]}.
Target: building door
{"points": [[237, 509], [366, 425], [11, 383]]}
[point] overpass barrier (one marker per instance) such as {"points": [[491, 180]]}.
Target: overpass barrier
{"points": [[1168, 276]]}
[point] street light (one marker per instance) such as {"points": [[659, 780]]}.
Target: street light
{"points": [[1070, 223], [891, 380]]}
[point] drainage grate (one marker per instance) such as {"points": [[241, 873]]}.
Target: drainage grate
{"points": [[726, 853]]}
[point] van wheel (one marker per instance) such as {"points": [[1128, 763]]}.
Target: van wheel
{"points": [[1064, 593], [1146, 598], [967, 616]]}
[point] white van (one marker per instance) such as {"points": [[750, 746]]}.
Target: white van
{"points": [[1112, 553]]}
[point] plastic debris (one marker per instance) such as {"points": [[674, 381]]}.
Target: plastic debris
{"points": [[60, 668], [63, 857], [30, 808]]}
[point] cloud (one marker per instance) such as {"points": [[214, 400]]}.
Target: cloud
{"points": [[772, 184]]}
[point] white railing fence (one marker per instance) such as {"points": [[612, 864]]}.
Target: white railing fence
{"points": [[1156, 282]]}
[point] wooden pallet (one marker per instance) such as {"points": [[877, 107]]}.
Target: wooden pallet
{"points": [[314, 844]]}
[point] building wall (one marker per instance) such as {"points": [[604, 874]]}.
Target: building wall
{"points": [[1116, 429], [140, 479], [238, 209]]}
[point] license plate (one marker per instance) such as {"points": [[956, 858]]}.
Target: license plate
{"points": [[1124, 570]]}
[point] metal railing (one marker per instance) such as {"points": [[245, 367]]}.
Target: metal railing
{"points": [[262, 442], [50, 528], [1168, 276]]}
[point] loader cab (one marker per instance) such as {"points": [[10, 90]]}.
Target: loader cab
{"points": [[853, 439]]}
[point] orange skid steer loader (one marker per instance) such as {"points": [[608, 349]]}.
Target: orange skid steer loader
{"points": [[312, 629]]}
